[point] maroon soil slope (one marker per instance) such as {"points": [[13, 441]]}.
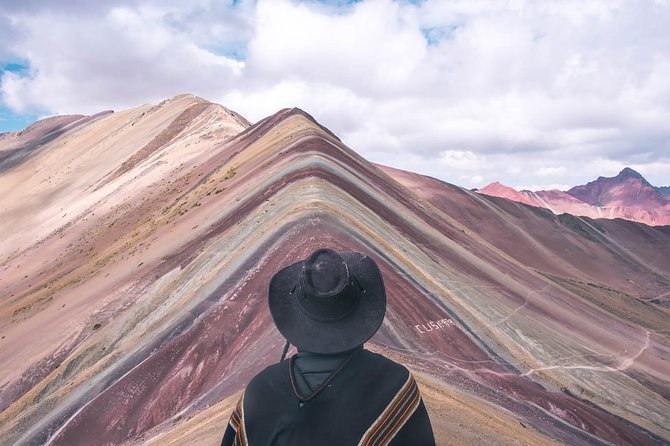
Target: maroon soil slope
{"points": [[615, 253]]}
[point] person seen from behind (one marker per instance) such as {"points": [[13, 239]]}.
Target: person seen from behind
{"points": [[333, 392]]}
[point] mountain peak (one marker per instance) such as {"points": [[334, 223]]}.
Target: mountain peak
{"points": [[498, 189], [628, 189], [496, 185], [627, 172], [627, 195]]}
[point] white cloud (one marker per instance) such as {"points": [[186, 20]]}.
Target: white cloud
{"points": [[476, 180], [550, 171], [322, 99], [13, 87], [461, 160], [470, 92], [124, 58], [375, 49]]}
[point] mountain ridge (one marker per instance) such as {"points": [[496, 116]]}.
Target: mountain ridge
{"points": [[627, 189], [627, 195]]}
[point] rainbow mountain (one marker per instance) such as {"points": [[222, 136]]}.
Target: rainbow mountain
{"points": [[138, 247]]}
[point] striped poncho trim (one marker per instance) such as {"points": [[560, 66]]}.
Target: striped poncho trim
{"points": [[394, 417], [380, 433], [237, 423]]}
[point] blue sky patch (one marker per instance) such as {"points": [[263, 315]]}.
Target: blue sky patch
{"points": [[436, 34], [14, 67], [233, 50], [13, 122]]}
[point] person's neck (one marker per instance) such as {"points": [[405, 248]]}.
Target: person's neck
{"points": [[305, 353], [311, 369]]}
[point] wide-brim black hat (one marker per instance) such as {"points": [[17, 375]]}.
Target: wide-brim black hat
{"points": [[329, 302]]}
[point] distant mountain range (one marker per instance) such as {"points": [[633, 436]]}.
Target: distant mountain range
{"points": [[628, 195]]}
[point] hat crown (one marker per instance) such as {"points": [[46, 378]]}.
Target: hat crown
{"points": [[325, 291], [324, 274]]}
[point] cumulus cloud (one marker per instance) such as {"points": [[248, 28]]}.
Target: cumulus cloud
{"points": [[124, 57], [550, 171], [470, 92], [375, 49]]}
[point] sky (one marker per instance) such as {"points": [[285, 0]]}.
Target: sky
{"points": [[534, 94]]}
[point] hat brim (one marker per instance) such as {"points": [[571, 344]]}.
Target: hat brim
{"points": [[329, 337]]}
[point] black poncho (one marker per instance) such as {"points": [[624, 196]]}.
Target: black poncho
{"points": [[369, 400]]}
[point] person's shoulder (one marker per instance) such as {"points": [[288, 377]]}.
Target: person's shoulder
{"points": [[268, 378], [384, 365], [381, 360]]}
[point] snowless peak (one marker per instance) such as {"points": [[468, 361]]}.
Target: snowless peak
{"points": [[627, 195], [496, 185], [627, 172]]}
